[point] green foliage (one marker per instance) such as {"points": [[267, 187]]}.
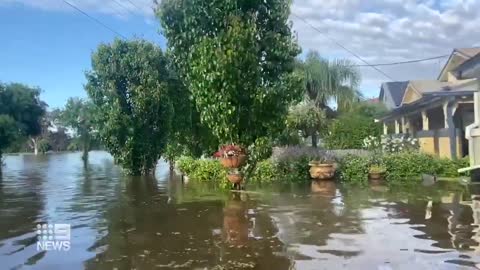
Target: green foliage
{"points": [[295, 170], [354, 169], [449, 168], [349, 131], [128, 85], [307, 118], [21, 113], [44, 145], [187, 136], [204, 170], [79, 115], [237, 58], [409, 166], [327, 81], [265, 172], [369, 109]]}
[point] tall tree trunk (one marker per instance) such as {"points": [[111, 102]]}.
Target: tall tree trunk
{"points": [[86, 147], [34, 145], [314, 139]]}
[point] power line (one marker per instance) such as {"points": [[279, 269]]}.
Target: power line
{"points": [[124, 7], [405, 62], [134, 5], [94, 19], [343, 47]]}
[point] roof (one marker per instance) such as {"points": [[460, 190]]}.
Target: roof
{"points": [[469, 65], [427, 86], [396, 89], [373, 100], [468, 52], [426, 101], [464, 53]]}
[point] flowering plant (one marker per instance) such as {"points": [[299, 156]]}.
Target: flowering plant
{"points": [[371, 143], [399, 143], [230, 150]]}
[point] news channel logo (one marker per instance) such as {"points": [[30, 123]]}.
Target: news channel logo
{"points": [[53, 237]]}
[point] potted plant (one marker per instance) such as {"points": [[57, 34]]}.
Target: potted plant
{"points": [[376, 172], [231, 156], [322, 168], [235, 177]]}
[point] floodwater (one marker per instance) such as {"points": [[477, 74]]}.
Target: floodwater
{"points": [[159, 223]]}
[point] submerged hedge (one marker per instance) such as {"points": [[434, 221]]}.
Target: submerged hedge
{"points": [[400, 167]]}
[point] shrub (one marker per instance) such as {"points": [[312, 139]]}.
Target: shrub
{"points": [[208, 170], [186, 165], [399, 143], [292, 162], [408, 166], [264, 173], [354, 169], [294, 170], [449, 168], [203, 170], [349, 131]]}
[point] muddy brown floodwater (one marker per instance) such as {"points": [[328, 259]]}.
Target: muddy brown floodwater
{"points": [[159, 223]]}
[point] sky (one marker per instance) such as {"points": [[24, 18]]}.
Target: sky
{"points": [[47, 43]]}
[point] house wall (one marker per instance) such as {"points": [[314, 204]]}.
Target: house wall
{"points": [[410, 96], [437, 142]]}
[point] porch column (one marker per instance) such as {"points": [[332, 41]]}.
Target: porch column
{"points": [[425, 124], [448, 109], [446, 115], [385, 128], [405, 125], [397, 126]]}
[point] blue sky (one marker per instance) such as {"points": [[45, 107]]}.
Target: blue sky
{"points": [[52, 48], [48, 44]]}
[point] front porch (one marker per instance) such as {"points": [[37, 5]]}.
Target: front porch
{"points": [[437, 120]]}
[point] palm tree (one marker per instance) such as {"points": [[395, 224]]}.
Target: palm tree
{"points": [[330, 81]]}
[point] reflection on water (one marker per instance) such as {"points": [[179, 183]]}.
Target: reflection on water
{"points": [[159, 222]]}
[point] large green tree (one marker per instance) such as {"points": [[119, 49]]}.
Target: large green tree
{"points": [[21, 113], [237, 59], [187, 136], [128, 84], [330, 81], [307, 118], [78, 115]]}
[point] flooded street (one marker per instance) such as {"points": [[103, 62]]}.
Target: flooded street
{"points": [[146, 223]]}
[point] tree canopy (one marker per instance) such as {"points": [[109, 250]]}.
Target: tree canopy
{"points": [[79, 115], [128, 84], [21, 113], [237, 59], [330, 81]]}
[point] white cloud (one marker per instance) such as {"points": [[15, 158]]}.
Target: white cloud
{"points": [[388, 31], [119, 8]]}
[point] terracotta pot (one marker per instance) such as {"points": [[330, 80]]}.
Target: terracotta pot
{"points": [[319, 171], [326, 188], [233, 161], [235, 178], [376, 176]]}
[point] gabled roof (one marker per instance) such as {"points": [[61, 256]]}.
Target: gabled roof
{"points": [[396, 90], [427, 86], [469, 52], [468, 68], [458, 57]]}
